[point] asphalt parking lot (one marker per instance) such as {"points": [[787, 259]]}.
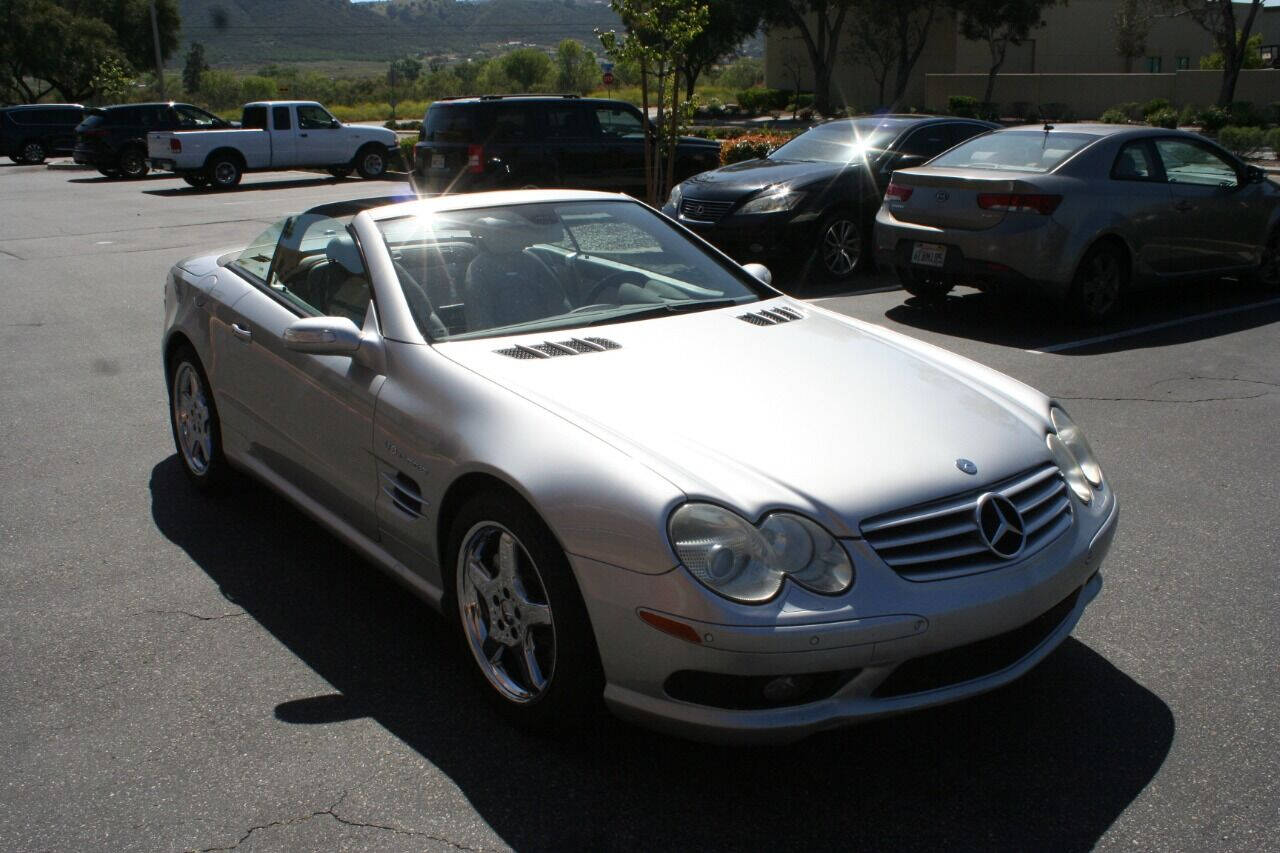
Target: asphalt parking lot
{"points": [[179, 672]]}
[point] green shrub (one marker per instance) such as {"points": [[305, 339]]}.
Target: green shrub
{"points": [[1273, 142], [1155, 105], [758, 101], [750, 146], [406, 152], [965, 106], [1244, 142], [1188, 114], [1131, 110], [1271, 112], [1114, 116], [1163, 118], [1213, 119], [1243, 114]]}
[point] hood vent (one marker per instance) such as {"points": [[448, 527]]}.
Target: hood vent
{"points": [[551, 349], [771, 316]]}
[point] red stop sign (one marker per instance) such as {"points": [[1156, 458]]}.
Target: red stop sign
{"points": [[608, 78]]}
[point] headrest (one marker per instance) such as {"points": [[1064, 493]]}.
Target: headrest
{"points": [[505, 235], [342, 251]]}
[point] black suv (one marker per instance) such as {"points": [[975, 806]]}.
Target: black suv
{"points": [[505, 142], [114, 139], [32, 132]]}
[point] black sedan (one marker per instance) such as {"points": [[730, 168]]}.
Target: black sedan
{"points": [[814, 198]]}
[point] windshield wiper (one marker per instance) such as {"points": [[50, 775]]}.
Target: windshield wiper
{"points": [[663, 309]]}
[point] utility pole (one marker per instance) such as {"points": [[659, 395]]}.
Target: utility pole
{"points": [[155, 38]]}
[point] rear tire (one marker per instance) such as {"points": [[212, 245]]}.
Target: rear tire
{"points": [[33, 152], [224, 172], [193, 417], [132, 163], [931, 288], [520, 614], [371, 162], [1099, 285]]}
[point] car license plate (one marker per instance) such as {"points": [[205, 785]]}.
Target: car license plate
{"points": [[437, 161], [929, 254]]}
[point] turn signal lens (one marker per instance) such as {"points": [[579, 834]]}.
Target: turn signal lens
{"points": [[667, 625], [1020, 202], [897, 191]]}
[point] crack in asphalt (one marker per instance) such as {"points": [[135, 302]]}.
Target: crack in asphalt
{"points": [[199, 616], [332, 812], [1191, 400]]}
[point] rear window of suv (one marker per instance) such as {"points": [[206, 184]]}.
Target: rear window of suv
{"points": [[1015, 150], [456, 123]]}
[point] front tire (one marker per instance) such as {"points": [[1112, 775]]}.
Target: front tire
{"points": [[842, 246], [1099, 285], [225, 172], [521, 615], [33, 152], [371, 162], [133, 163], [193, 416]]}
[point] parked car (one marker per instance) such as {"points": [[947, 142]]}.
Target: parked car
{"points": [[499, 142], [529, 406], [1079, 213], [815, 197], [31, 132], [114, 139], [273, 135]]}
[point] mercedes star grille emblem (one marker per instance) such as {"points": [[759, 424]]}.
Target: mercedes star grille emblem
{"points": [[1000, 525], [966, 466]]}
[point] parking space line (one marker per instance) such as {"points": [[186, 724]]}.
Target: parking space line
{"points": [[1142, 330]]}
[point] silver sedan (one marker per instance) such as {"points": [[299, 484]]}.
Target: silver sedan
{"points": [[629, 471], [1080, 214]]}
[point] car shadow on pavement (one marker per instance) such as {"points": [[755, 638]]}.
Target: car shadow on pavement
{"points": [[1157, 317], [312, 180], [1047, 762]]}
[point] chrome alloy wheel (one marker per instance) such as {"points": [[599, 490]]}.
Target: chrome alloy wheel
{"points": [[192, 419], [1100, 284], [841, 247], [33, 152], [505, 613]]}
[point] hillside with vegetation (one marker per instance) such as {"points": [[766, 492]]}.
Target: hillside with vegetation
{"points": [[250, 33]]}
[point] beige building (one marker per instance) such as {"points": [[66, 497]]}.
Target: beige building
{"points": [[1077, 42]]}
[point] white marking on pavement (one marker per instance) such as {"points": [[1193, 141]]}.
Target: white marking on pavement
{"points": [[104, 242], [1142, 330]]}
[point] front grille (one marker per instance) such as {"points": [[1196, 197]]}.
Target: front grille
{"points": [[704, 211], [976, 660], [940, 539]]}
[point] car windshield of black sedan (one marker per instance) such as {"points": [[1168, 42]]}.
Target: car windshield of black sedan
{"points": [[1015, 150], [492, 271], [840, 141]]}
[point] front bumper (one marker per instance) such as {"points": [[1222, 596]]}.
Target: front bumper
{"points": [[984, 630], [765, 237]]}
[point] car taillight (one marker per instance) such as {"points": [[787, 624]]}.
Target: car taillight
{"points": [[475, 158], [897, 191], [1020, 202], [175, 145]]}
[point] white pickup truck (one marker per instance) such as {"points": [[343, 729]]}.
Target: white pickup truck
{"points": [[273, 135]]}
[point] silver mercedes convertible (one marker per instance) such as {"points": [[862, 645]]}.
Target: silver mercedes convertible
{"points": [[630, 471]]}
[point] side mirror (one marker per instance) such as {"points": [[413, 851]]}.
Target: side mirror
{"points": [[759, 272], [902, 161], [323, 336], [1256, 174], [334, 123]]}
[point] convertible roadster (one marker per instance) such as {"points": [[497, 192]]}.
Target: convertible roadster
{"points": [[630, 471]]}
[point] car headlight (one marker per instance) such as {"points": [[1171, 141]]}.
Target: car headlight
{"points": [[674, 198], [773, 202], [1071, 451], [749, 564]]}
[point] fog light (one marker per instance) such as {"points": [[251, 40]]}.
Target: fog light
{"points": [[786, 688]]}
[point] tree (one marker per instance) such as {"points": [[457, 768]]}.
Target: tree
{"points": [[1000, 23], [1132, 24], [1218, 18], [821, 38], [527, 68], [729, 23], [401, 72], [576, 68], [873, 44], [130, 20], [659, 33], [1252, 56], [910, 21], [194, 67]]}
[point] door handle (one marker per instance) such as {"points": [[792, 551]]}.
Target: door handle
{"points": [[1183, 206], [241, 332]]}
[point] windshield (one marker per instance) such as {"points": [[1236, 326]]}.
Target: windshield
{"points": [[840, 141], [1015, 150], [539, 267]]}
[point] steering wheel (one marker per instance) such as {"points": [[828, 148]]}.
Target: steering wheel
{"points": [[616, 279]]}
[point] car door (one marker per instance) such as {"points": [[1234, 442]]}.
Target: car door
{"points": [[573, 145], [916, 148], [307, 418], [1136, 189], [1209, 214], [284, 142], [321, 140]]}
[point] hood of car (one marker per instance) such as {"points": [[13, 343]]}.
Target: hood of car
{"points": [[749, 176], [821, 414]]}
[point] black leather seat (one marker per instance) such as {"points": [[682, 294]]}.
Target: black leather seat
{"points": [[506, 284]]}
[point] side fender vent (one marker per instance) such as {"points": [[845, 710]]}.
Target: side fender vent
{"points": [[552, 349], [771, 316]]}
